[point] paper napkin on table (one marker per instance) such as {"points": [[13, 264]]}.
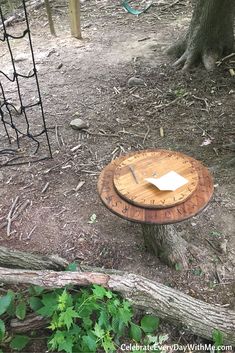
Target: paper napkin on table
{"points": [[168, 182]]}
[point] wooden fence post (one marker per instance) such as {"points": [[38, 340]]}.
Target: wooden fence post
{"points": [[74, 12]]}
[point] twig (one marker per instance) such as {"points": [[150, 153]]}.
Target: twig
{"points": [[100, 134], [143, 39], [116, 91], [75, 148], [146, 135], [10, 216], [225, 58], [203, 100], [31, 232], [115, 150], [57, 165], [90, 172], [20, 209], [123, 131], [80, 184], [204, 131], [57, 136], [45, 187], [160, 106], [17, 212]]}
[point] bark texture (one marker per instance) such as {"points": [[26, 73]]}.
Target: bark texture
{"points": [[20, 259], [210, 34], [165, 243], [199, 317], [32, 322]]}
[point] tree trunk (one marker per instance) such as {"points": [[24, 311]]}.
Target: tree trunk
{"points": [[165, 243], [210, 34], [199, 317], [20, 259]]}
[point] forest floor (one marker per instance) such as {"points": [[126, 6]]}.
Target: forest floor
{"points": [[88, 79]]}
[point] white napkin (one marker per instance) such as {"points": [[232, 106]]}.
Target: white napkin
{"points": [[168, 182]]}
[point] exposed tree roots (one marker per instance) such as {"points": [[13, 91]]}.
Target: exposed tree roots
{"points": [[193, 55], [210, 35]]}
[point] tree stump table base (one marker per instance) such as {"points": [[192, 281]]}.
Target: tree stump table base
{"points": [[160, 238]]}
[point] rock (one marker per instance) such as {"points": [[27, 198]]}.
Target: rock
{"points": [[135, 81], [59, 66], [78, 124]]}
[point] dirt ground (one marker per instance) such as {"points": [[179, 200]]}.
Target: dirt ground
{"points": [[88, 79]]}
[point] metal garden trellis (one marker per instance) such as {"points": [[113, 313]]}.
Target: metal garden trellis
{"points": [[10, 112]]}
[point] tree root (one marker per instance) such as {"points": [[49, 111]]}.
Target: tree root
{"points": [[191, 57]]}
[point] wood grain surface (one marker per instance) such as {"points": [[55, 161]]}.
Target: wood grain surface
{"points": [[189, 208], [130, 174]]}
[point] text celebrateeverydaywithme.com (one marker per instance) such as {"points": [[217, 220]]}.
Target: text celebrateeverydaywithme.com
{"points": [[176, 348]]}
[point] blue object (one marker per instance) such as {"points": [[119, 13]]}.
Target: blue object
{"points": [[130, 9]]}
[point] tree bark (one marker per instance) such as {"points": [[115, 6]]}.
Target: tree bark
{"points": [[199, 317], [165, 243], [210, 34], [30, 323], [20, 259]]}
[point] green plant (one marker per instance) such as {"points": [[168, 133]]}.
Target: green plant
{"points": [[180, 92], [215, 234], [178, 267], [93, 219], [197, 271], [83, 320], [12, 305], [217, 339]]}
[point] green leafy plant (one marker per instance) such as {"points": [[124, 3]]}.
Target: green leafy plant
{"points": [[217, 339], [19, 342], [215, 234], [93, 219], [197, 271], [180, 92], [84, 320], [12, 305], [178, 267]]}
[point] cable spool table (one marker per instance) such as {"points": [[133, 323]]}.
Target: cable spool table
{"points": [[124, 191]]}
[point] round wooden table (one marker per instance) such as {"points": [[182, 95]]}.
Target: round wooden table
{"points": [[124, 191]]}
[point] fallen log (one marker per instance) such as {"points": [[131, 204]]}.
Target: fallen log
{"points": [[30, 323], [199, 317], [21, 259]]}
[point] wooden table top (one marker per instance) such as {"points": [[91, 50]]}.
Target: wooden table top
{"points": [[130, 174], [192, 205]]}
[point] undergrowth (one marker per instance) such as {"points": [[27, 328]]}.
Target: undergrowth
{"points": [[77, 320]]}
